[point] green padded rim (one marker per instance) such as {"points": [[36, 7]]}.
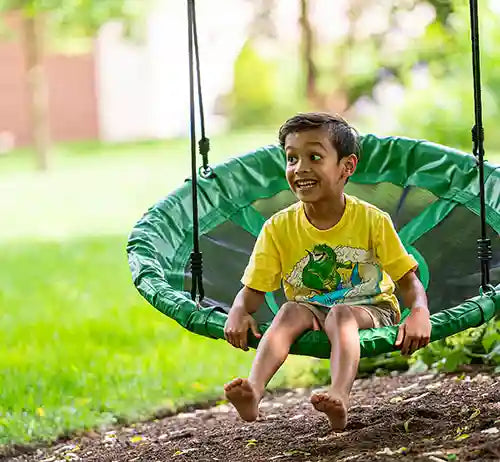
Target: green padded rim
{"points": [[160, 243]]}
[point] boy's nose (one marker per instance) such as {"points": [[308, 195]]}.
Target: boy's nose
{"points": [[302, 166]]}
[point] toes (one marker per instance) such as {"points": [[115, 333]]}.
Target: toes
{"points": [[230, 385], [318, 397]]}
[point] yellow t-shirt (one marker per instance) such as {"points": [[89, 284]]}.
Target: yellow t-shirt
{"points": [[355, 262]]}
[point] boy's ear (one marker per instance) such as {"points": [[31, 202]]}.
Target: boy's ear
{"points": [[350, 164]]}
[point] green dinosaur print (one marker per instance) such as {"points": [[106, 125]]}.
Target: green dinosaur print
{"points": [[320, 273]]}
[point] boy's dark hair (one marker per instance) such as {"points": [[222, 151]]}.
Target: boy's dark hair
{"points": [[344, 137]]}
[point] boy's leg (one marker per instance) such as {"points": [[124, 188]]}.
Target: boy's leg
{"points": [[341, 326], [245, 394]]}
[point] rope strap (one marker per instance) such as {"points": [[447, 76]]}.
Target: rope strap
{"points": [[483, 243], [197, 291]]}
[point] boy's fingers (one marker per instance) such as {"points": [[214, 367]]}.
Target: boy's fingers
{"points": [[408, 345], [424, 342], [401, 333], [241, 340], [405, 344], [254, 328], [414, 346]]}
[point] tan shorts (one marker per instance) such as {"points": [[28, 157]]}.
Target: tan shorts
{"points": [[381, 315]]}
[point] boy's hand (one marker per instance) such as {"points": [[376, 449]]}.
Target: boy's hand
{"points": [[415, 331], [236, 328]]}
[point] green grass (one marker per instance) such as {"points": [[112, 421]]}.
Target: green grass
{"points": [[79, 347]]}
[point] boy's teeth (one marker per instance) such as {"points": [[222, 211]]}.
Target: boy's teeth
{"points": [[306, 183]]}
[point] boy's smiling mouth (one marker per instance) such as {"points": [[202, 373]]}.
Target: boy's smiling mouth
{"points": [[304, 185]]}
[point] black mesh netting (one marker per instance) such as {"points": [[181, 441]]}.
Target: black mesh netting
{"points": [[449, 249]]}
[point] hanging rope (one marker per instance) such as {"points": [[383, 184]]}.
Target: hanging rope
{"points": [[483, 243], [204, 143], [197, 291]]}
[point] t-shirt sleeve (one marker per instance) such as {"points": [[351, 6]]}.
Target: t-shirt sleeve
{"points": [[392, 255], [263, 271]]}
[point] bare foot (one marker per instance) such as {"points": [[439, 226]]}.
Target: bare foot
{"points": [[333, 406], [243, 397]]}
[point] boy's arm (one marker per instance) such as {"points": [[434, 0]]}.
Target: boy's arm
{"points": [[240, 319], [415, 331]]}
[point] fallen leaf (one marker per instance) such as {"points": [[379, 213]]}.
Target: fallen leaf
{"points": [[415, 398], [185, 451], [407, 425], [251, 443], [136, 439], [491, 431], [475, 414], [433, 386], [461, 437], [435, 459], [409, 387], [396, 399]]}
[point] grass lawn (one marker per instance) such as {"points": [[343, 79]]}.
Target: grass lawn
{"points": [[79, 347]]}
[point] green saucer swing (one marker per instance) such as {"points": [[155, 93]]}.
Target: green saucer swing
{"points": [[439, 199]]}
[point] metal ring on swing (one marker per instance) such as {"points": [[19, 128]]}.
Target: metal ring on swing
{"points": [[489, 292], [206, 172]]}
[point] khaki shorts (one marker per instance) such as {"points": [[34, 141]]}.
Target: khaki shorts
{"points": [[382, 315]]}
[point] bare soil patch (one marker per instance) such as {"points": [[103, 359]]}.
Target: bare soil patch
{"points": [[432, 417]]}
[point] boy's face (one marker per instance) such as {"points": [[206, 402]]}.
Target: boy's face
{"points": [[313, 171]]}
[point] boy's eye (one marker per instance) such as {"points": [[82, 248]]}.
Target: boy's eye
{"points": [[315, 157], [291, 159]]}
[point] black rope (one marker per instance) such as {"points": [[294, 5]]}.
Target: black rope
{"points": [[204, 143], [197, 292], [483, 243]]}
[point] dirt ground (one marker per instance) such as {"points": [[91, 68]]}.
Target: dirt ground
{"points": [[423, 418]]}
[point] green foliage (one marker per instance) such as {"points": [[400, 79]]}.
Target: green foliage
{"points": [[255, 81], [438, 100], [478, 345], [264, 92], [82, 17]]}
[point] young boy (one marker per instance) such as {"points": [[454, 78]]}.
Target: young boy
{"points": [[337, 257]]}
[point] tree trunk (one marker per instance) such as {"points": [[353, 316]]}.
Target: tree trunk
{"points": [[37, 88], [307, 49]]}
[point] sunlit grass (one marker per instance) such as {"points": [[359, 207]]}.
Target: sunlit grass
{"points": [[96, 189], [79, 347]]}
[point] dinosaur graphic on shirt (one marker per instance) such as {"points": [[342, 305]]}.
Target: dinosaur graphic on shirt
{"points": [[319, 272]]}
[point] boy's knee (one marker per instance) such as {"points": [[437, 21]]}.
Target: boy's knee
{"points": [[290, 313], [338, 315]]}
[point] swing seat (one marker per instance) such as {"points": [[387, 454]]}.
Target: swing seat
{"points": [[430, 191]]}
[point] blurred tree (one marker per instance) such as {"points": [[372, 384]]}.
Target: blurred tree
{"points": [[438, 99], [307, 45], [70, 18], [364, 55]]}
